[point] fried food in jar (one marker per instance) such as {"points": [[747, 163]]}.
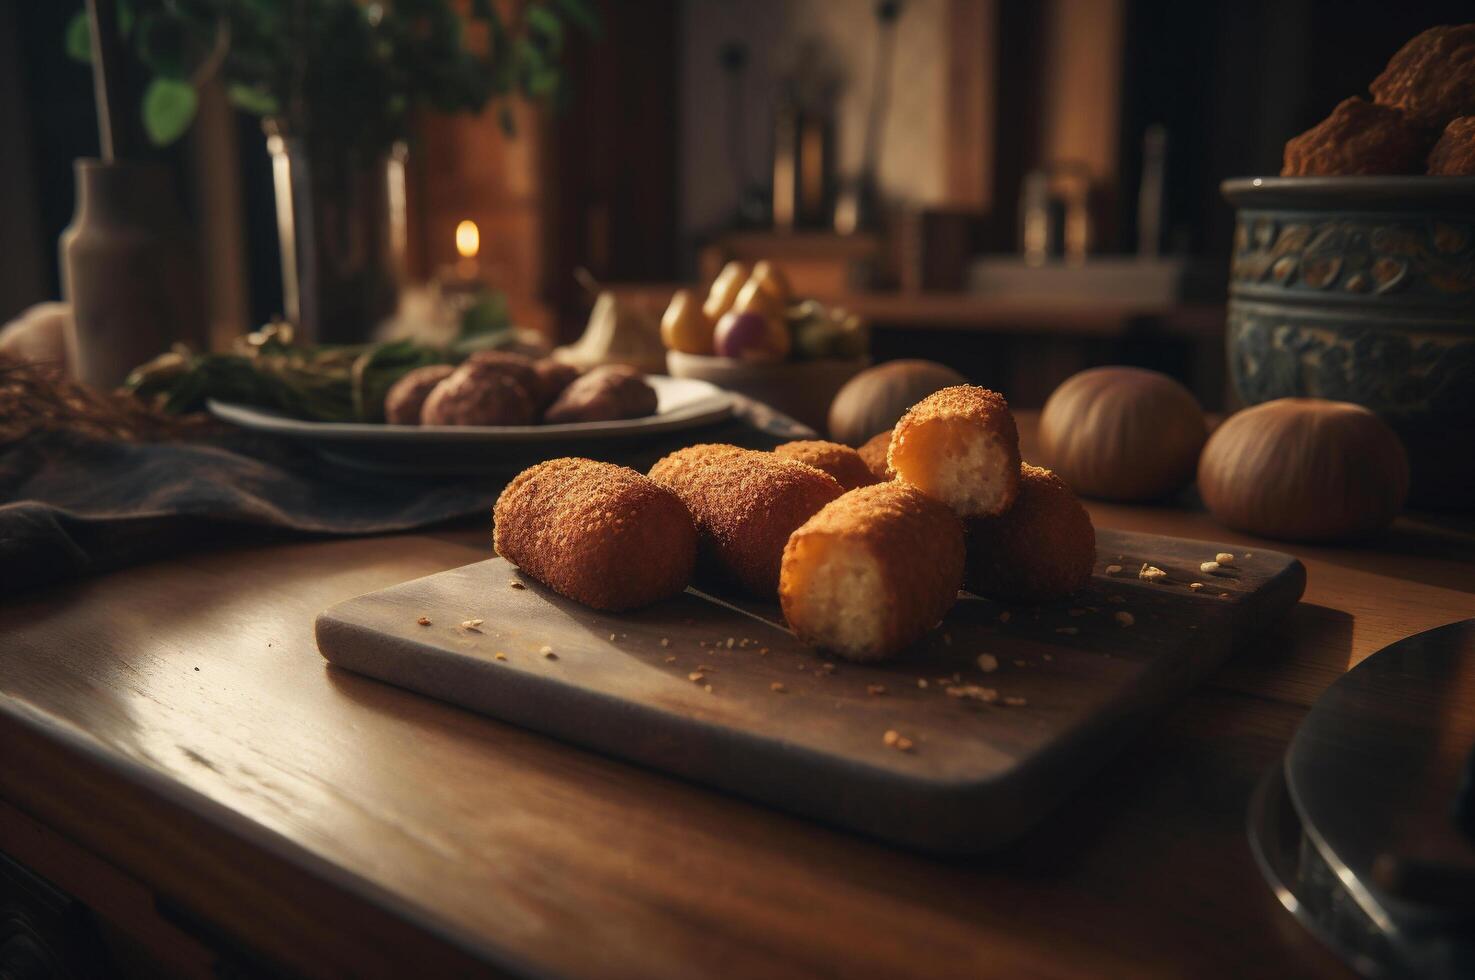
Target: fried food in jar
{"points": [[1358, 138], [873, 571], [598, 533], [1454, 154], [959, 445], [745, 505], [1431, 79]]}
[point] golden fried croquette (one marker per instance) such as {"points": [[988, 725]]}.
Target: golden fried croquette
{"points": [[1358, 138], [959, 445], [612, 391], [553, 378], [745, 504], [841, 462], [1044, 547], [873, 571], [601, 534], [405, 398], [1432, 77], [1454, 154], [874, 454], [478, 394]]}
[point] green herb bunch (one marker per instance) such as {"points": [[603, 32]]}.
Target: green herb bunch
{"points": [[352, 72]]}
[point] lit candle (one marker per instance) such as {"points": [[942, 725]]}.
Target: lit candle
{"points": [[468, 244]]}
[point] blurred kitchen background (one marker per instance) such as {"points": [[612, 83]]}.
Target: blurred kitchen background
{"points": [[1018, 189]]}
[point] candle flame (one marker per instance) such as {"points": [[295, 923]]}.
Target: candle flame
{"points": [[468, 239]]}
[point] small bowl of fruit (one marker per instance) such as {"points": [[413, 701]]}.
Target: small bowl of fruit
{"points": [[751, 335]]}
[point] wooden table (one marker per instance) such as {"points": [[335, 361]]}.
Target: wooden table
{"points": [[178, 757]]}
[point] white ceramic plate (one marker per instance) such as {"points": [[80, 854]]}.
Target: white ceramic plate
{"points": [[681, 403]]}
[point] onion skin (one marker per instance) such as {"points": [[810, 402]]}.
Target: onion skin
{"points": [[876, 398], [1122, 433], [1304, 469]]}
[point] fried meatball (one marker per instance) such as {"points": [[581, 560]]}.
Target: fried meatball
{"points": [[601, 534], [478, 394], [1358, 138], [613, 391], [745, 504], [553, 378], [961, 446], [873, 571], [841, 462], [1432, 78], [1454, 154], [874, 454], [1044, 547], [405, 398], [519, 366]]}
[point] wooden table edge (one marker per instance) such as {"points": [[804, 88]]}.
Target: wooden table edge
{"points": [[335, 923]]}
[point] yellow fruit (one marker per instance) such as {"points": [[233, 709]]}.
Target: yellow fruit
{"points": [[724, 290], [753, 298], [771, 280], [684, 327]]}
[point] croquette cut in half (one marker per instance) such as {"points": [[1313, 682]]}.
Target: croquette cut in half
{"points": [[745, 504], [1043, 548], [873, 452], [601, 534], [873, 571], [960, 446], [840, 461]]}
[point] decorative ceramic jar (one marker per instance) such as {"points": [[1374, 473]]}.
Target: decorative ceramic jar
{"points": [[1362, 289]]}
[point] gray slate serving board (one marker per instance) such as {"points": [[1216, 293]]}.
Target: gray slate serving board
{"points": [[979, 774]]}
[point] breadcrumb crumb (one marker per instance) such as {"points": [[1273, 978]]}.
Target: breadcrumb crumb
{"points": [[472, 624], [1113, 569], [988, 663], [547, 651], [1224, 558], [777, 687], [1151, 573], [423, 620], [973, 692], [1208, 567], [516, 585], [1124, 617], [499, 655], [874, 689]]}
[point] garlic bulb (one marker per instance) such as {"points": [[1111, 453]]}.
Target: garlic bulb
{"points": [[1304, 469], [1122, 433]]}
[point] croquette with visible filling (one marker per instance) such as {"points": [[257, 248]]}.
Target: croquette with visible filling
{"points": [[873, 571], [959, 445], [745, 505], [841, 462], [1044, 547], [601, 534]]}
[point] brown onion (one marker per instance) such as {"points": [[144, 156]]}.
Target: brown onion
{"points": [[1122, 433], [1304, 469], [877, 397]]}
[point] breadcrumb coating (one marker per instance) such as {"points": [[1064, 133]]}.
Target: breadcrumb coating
{"points": [[959, 445], [1358, 139], [874, 453], [601, 534], [841, 462], [1454, 154], [1044, 547], [873, 571], [1432, 77], [745, 505], [406, 397]]}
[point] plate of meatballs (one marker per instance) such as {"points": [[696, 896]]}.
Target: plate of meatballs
{"points": [[499, 400]]}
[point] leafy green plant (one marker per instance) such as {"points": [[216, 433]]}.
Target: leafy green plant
{"points": [[351, 72]]}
